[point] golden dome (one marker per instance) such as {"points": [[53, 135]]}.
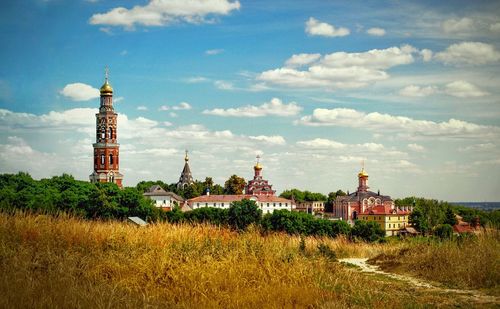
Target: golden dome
{"points": [[362, 173], [106, 88], [258, 166]]}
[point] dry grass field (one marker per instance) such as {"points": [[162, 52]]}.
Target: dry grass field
{"points": [[65, 262]]}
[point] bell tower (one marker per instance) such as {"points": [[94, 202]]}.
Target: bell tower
{"points": [[106, 148]]}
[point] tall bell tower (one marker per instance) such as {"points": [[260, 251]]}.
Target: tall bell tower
{"points": [[106, 148]]}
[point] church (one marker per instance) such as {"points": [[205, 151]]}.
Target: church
{"points": [[106, 147], [258, 190], [371, 206]]}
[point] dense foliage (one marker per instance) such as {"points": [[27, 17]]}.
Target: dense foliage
{"points": [[303, 224], [64, 193], [367, 231], [428, 214], [303, 196]]}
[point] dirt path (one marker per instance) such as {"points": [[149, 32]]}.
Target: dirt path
{"points": [[474, 295]]}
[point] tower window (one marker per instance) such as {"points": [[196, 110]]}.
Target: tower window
{"points": [[110, 132], [102, 159], [110, 159]]}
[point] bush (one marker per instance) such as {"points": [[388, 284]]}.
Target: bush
{"points": [[444, 231], [243, 213], [367, 231]]}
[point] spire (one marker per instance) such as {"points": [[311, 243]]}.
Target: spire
{"points": [[186, 158], [186, 177]]}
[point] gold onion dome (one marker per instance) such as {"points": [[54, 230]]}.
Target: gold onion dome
{"points": [[362, 173], [257, 166], [106, 88]]}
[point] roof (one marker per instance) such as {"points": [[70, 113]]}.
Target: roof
{"points": [[156, 190], [384, 210], [237, 197], [410, 230], [358, 196], [463, 228]]}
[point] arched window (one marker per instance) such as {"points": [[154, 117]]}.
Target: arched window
{"points": [[110, 132], [110, 159], [102, 159]]}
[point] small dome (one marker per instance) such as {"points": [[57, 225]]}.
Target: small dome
{"points": [[362, 173], [257, 166], [106, 88]]}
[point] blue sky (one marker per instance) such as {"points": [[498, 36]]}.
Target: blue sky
{"points": [[314, 87]]}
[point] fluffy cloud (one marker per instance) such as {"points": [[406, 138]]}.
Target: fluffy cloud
{"points": [[315, 27], [417, 91], [164, 12], [463, 89], [321, 143], [273, 108], [457, 25], [301, 60], [340, 70], [274, 139], [416, 147], [179, 107], [79, 92], [468, 53], [344, 117], [426, 55], [376, 31]]}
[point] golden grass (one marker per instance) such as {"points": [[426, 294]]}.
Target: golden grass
{"points": [[470, 263], [48, 262]]}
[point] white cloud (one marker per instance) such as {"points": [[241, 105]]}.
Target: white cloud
{"points": [[458, 25], [301, 60], [167, 123], [426, 54], [274, 139], [315, 27], [478, 147], [495, 27], [212, 52], [223, 85], [340, 70], [173, 115], [142, 108], [164, 108], [164, 12], [273, 108], [79, 92], [118, 99], [376, 31], [417, 91], [182, 106], [469, 53], [416, 147], [463, 89], [344, 117], [321, 143]]}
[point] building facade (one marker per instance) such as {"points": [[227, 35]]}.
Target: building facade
{"points": [[186, 177], [268, 204], [258, 185], [106, 147], [163, 199], [371, 206], [312, 207]]}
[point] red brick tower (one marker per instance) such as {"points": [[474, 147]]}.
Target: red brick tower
{"points": [[258, 185], [106, 148]]}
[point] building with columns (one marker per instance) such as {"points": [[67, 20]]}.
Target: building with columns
{"points": [[186, 177], [106, 147]]}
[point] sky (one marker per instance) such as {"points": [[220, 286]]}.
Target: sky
{"points": [[410, 88]]}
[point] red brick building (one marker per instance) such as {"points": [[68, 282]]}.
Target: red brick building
{"points": [[258, 185], [106, 147]]}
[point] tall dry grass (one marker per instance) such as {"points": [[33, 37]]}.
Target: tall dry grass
{"points": [[469, 263], [64, 262]]}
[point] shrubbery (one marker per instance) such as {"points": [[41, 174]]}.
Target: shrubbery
{"points": [[367, 230]]}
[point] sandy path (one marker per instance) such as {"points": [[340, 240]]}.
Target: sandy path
{"points": [[474, 295]]}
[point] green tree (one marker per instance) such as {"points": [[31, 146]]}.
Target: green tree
{"points": [[444, 231], [234, 185], [243, 213], [367, 230], [450, 217]]}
